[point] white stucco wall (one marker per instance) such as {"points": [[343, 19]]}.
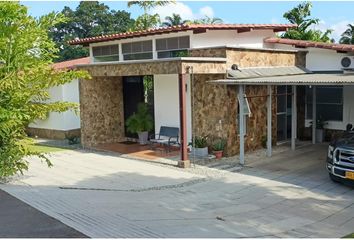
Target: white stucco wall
{"points": [[61, 121], [166, 101], [215, 38], [211, 38]]}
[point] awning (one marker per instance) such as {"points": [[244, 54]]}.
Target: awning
{"points": [[257, 72], [297, 79]]}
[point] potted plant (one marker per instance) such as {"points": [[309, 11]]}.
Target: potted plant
{"points": [[141, 123], [320, 123], [218, 147], [200, 146]]}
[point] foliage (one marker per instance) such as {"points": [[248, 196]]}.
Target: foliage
{"points": [[89, 19], [26, 75], [219, 144], [146, 20], [174, 20], [347, 36], [320, 123], [45, 149], [299, 15], [207, 20], [200, 142], [141, 121]]}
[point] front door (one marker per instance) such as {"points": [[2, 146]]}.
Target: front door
{"points": [[133, 94], [137, 89], [283, 113]]}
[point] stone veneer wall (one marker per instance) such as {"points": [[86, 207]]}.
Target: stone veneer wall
{"points": [[52, 133], [101, 109], [215, 110], [215, 106]]}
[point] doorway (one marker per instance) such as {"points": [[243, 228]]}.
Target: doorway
{"points": [[137, 89], [283, 113]]}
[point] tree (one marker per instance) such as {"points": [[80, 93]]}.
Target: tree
{"points": [[174, 20], [89, 19], [146, 20], [347, 36], [299, 15], [208, 20], [26, 53]]}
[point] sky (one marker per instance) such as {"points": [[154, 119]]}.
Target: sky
{"points": [[334, 15]]}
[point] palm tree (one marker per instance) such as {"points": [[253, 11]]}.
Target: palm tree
{"points": [[147, 5], [207, 20], [300, 15], [348, 35], [174, 20], [146, 20]]}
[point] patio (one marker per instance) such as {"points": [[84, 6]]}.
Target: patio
{"points": [[135, 150]]}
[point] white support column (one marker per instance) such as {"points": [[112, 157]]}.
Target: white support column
{"points": [[293, 118], [269, 121], [241, 124], [314, 120]]}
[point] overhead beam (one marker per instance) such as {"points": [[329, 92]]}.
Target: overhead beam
{"points": [[269, 121]]}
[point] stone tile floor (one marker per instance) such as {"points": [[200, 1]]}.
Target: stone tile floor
{"points": [[103, 194]]}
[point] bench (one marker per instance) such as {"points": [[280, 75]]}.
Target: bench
{"points": [[168, 136]]}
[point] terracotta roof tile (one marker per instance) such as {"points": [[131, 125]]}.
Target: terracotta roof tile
{"points": [[179, 28], [305, 44], [71, 63]]}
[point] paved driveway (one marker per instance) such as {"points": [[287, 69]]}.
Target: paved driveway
{"points": [[103, 195]]}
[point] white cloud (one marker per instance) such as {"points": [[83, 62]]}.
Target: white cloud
{"points": [[206, 11], [183, 10], [337, 27]]}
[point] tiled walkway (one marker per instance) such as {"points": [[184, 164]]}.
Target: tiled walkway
{"points": [[105, 195]]}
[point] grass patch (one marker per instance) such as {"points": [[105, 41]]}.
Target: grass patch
{"points": [[349, 236], [45, 149]]}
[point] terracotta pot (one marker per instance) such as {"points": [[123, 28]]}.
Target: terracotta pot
{"points": [[218, 154]]}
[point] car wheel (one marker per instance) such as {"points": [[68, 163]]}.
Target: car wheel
{"points": [[334, 178]]}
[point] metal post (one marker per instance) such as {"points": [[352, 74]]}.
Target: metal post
{"points": [[269, 121], [241, 124], [184, 162], [314, 120], [293, 118]]}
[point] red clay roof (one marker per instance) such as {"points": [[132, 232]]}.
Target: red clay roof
{"points": [[71, 63], [195, 27], [305, 44]]}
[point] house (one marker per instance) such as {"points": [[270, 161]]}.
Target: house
{"points": [[60, 125], [202, 78]]}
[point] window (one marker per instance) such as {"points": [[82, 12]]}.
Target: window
{"points": [[329, 103], [107, 53], [137, 50], [172, 47]]}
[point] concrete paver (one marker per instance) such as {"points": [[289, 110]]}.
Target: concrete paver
{"points": [[103, 195]]}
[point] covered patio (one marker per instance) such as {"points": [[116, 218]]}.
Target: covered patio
{"points": [[278, 76]]}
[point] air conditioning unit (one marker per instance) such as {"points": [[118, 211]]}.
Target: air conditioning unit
{"points": [[347, 62]]}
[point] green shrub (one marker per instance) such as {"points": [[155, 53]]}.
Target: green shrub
{"points": [[141, 121], [219, 144]]}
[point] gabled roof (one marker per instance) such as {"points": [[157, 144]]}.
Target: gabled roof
{"points": [[196, 28], [305, 44], [71, 63]]}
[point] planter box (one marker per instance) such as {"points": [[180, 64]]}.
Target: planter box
{"points": [[319, 135], [200, 152]]}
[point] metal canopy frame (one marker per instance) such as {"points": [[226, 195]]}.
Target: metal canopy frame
{"points": [[309, 79]]}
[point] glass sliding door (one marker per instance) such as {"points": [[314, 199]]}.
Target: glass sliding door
{"points": [[283, 113]]}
